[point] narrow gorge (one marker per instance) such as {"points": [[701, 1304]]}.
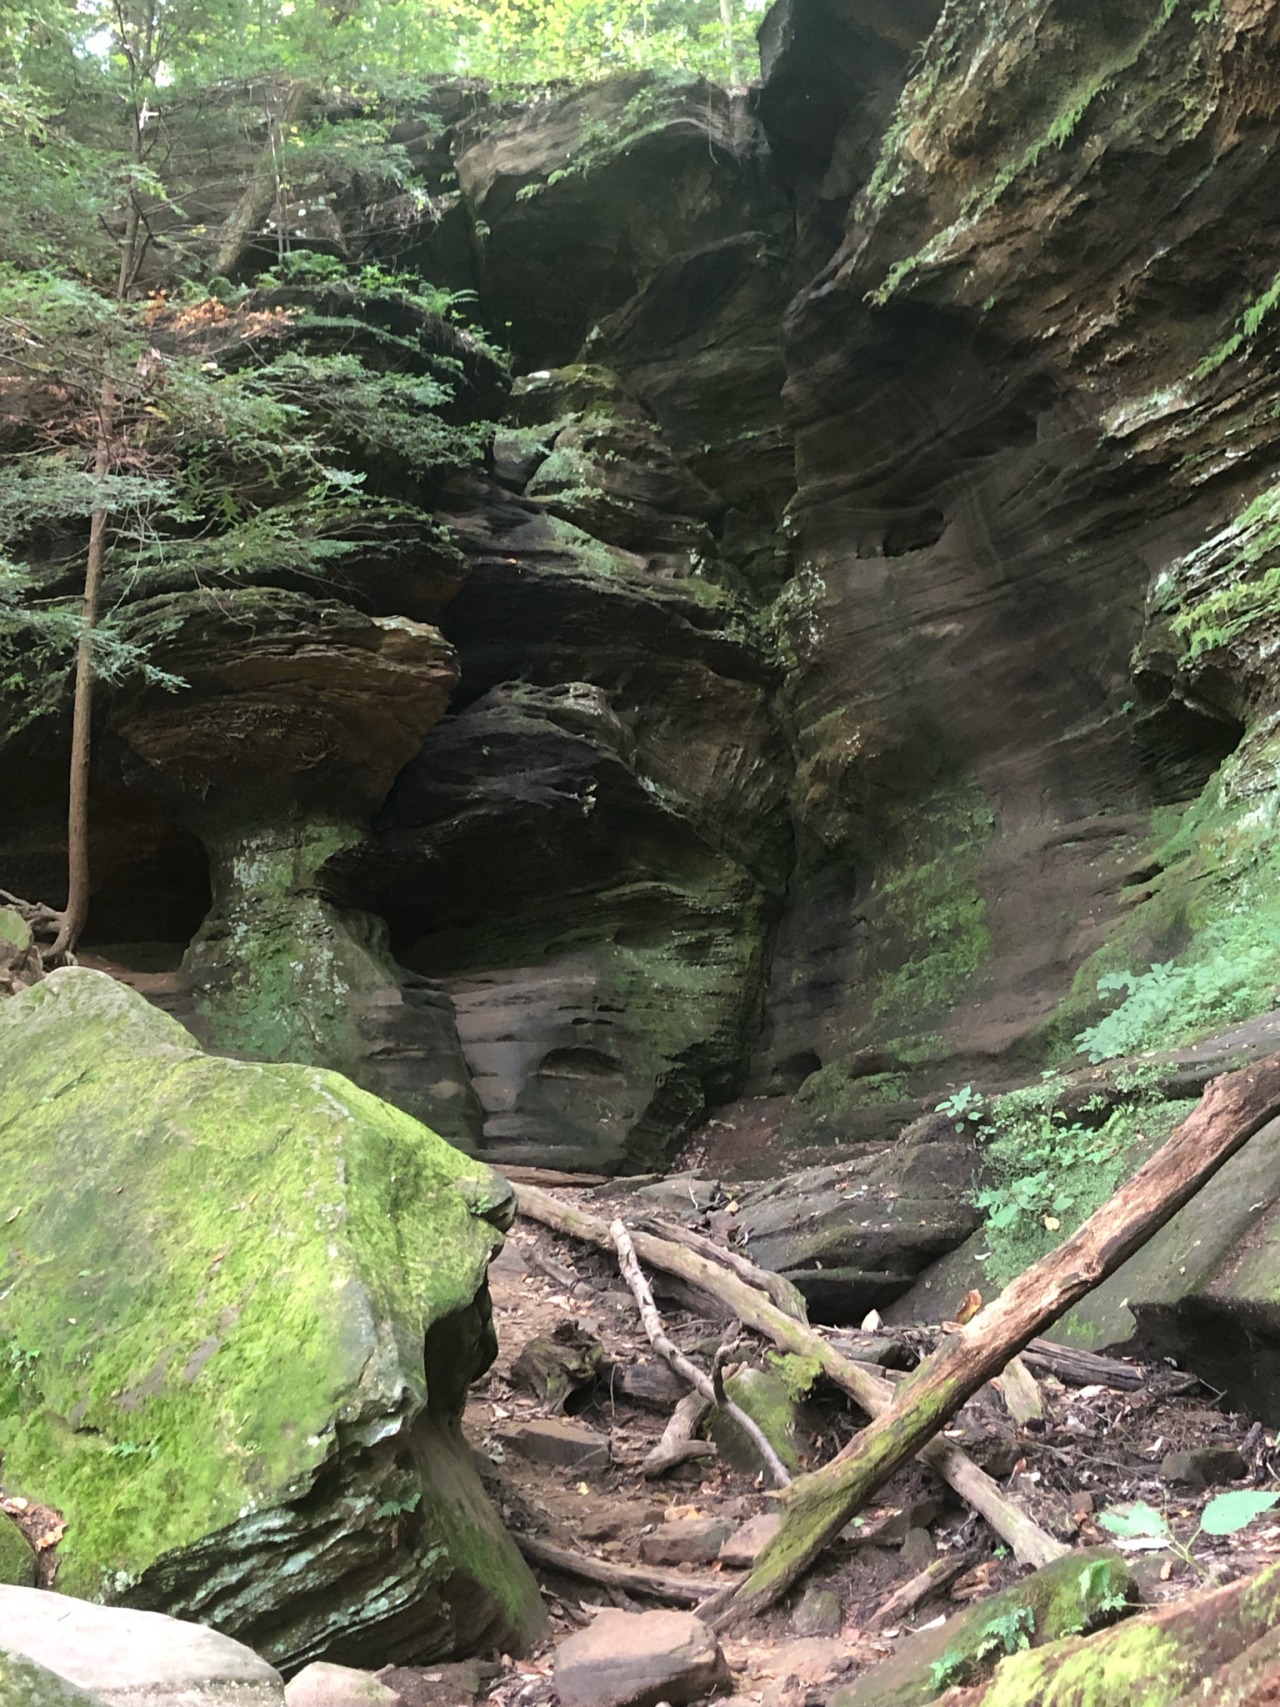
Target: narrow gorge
{"points": [[808, 718]]}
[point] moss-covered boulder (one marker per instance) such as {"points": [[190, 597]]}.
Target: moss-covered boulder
{"points": [[1203, 1648], [240, 1305], [772, 1405], [1079, 1592]]}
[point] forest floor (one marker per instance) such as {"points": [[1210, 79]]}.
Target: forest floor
{"points": [[1098, 1447]]}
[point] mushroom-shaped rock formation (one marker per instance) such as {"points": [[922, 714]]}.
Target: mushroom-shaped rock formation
{"points": [[294, 718]]}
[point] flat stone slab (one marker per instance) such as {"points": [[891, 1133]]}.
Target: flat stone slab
{"points": [[571, 1445], [686, 1541], [637, 1659], [125, 1657]]}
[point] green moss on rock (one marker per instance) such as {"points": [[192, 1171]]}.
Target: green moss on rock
{"points": [[768, 1399], [1079, 1592], [17, 1561], [219, 1288], [1152, 1661]]}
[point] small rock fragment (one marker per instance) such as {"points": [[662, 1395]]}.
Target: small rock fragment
{"points": [[1204, 1466], [740, 1550], [819, 1613], [918, 1550], [637, 1659], [691, 1541], [322, 1685]]}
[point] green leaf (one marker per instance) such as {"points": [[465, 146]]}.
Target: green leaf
{"points": [[1131, 1521], [1229, 1512]]}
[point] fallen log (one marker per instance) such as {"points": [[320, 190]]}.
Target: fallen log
{"points": [[684, 1367], [669, 1586], [1081, 1368], [816, 1507], [1030, 1544]]}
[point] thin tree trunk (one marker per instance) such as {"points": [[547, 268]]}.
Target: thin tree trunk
{"points": [[817, 1507], [79, 876], [730, 43], [74, 915]]}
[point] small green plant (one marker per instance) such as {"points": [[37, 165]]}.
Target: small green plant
{"points": [[1008, 1634], [399, 1508], [1224, 1515], [1231, 978], [1099, 1592], [133, 1449], [964, 1105]]}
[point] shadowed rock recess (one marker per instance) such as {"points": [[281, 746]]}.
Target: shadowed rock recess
{"points": [[856, 640]]}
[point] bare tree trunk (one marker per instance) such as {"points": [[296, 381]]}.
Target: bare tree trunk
{"points": [[72, 920], [730, 43], [140, 56]]}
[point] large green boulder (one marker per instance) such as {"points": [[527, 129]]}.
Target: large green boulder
{"points": [[240, 1305]]}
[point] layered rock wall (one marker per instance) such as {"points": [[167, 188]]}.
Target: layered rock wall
{"points": [[852, 620]]}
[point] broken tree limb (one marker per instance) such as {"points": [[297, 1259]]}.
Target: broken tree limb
{"points": [[683, 1366], [816, 1507], [1081, 1368], [916, 1590], [658, 1585], [1030, 1544], [776, 1286], [678, 1444]]}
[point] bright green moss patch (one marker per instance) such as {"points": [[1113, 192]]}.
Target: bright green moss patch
{"points": [[1150, 1661], [1203, 951]]}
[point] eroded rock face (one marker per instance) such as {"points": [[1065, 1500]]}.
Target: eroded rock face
{"points": [[600, 956], [243, 1306], [580, 201], [891, 463]]}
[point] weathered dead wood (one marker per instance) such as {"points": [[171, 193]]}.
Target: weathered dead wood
{"points": [[786, 1296], [1020, 1392], [816, 1507], [869, 1389], [683, 1366], [678, 1444], [1081, 1368], [935, 1577], [658, 1585], [553, 1176]]}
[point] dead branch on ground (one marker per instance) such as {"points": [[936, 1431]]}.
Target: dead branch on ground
{"points": [[867, 1387], [683, 1366]]}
